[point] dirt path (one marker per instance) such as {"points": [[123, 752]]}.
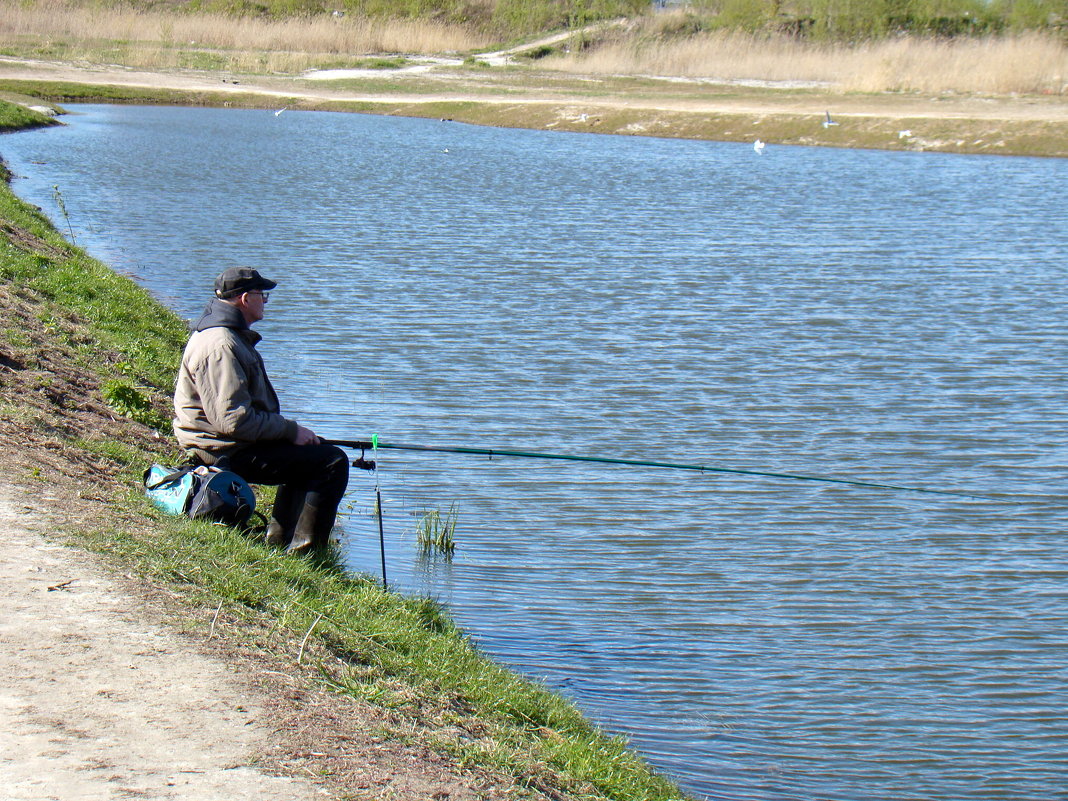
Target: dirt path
{"points": [[101, 703]]}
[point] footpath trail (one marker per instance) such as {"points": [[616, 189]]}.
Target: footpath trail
{"points": [[100, 702]]}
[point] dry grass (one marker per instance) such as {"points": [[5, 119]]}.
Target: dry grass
{"points": [[722, 54], [1031, 63], [1027, 63], [155, 39]]}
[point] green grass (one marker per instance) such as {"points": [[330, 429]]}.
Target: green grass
{"points": [[381, 63], [400, 653], [63, 92], [15, 117], [124, 319], [403, 654]]}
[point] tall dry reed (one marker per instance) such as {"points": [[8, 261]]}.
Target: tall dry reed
{"points": [[77, 26], [1025, 63]]}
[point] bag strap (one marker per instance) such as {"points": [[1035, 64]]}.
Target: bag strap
{"points": [[178, 473], [260, 527]]}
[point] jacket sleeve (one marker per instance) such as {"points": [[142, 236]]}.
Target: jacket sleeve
{"points": [[223, 385]]}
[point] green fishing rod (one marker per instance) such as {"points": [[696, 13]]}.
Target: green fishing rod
{"points": [[374, 444]]}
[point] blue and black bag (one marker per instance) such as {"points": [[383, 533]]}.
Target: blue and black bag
{"points": [[202, 493]]}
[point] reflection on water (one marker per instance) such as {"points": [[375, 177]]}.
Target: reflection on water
{"points": [[883, 316]]}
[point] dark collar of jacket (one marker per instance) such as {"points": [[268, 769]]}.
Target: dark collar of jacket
{"points": [[220, 314]]}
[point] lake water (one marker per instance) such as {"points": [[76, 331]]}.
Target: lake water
{"points": [[891, 317]]}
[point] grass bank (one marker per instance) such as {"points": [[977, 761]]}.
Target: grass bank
{"points": [[73, 333], [18, 116]]}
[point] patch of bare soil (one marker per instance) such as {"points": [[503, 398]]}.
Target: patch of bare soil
{"points": [[116, 688]]}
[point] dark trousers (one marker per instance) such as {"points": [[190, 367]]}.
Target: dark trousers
{"points": [[317, 474]]}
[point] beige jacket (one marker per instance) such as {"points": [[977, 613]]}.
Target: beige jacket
{"points": [[223, 398]]}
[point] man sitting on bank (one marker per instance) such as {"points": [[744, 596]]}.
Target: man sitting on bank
{"points": [[227, 411]]}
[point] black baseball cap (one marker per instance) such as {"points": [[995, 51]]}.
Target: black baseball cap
{"points": [[236, 280]]}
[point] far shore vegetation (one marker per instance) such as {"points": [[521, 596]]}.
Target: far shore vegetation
{"points": [[1029, 63], [983, 46], [72, 319]]}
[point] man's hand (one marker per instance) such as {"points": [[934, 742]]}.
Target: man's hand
{"points": [[305, 436]]}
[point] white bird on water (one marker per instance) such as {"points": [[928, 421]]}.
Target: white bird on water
{"points": [[280, 110], [759, 146], [828, 122]]}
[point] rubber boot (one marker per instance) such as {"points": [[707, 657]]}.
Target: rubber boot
{"points": [[288, 504], [314, 527], [304, 534]]}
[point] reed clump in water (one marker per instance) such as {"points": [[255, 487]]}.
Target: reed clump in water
{"points": [[436, 533]]}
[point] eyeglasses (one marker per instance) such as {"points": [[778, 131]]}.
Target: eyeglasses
{"points": [[262, 294]]}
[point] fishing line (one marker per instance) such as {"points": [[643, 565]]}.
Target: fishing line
{"points": [[375, 444]]}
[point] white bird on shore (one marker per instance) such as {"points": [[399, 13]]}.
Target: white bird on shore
{"points": [[280, 110], [904, 134], [828, 122], [759, 146]]}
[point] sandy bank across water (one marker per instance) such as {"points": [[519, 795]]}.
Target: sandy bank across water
{"points": [[1001, 125]]}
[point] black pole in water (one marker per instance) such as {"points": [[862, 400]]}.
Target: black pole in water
{"points": [[381, 538]]}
